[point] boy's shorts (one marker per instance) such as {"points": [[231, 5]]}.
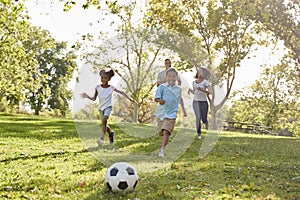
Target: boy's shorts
{"points": [[106, 112], [165, 124]]}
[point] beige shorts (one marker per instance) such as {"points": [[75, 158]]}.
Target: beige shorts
{"points": [[166, 124]]}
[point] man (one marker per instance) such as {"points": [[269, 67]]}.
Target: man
{"points": [[161, 77]]}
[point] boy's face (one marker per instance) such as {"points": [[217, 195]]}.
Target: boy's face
{"points": [[171, 77], [105, 78]]}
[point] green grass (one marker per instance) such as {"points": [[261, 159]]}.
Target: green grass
{"points": [[44, 158]]}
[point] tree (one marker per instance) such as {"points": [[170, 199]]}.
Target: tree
{"points": [[279, 16], [223, 28], [61, 72], [132, 57], [273, 100], [17, 66], [38, 43], [32, 64], [69, 4], [55, 69], [282, 18]]}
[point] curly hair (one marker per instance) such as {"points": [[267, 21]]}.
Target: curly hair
{"points": [[110, 72]]}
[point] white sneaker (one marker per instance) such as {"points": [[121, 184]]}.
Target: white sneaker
{"points": [[161, 153], [100, 142], [199, 137]]}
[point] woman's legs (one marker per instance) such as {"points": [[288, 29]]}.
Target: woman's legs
{"points": [[204, 111], [196, 107]]}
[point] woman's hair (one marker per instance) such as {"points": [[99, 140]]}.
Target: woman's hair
{"points": [[171, 69], [110, 72], [199, 71]]}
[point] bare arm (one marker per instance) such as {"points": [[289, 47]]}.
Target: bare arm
{"points": [[191, 91], [182, 106], [179, 80], [125, 95], [207, 91], [93, 98]]}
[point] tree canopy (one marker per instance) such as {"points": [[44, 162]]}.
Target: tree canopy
{"points": [[273, 100], [17, 65], [225, 30], [132, 57], [34, 68]]}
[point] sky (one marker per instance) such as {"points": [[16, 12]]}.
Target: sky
{"points": [[64, 26], [69, 26]]}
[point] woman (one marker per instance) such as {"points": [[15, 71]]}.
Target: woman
{"points": [[201, 88]]}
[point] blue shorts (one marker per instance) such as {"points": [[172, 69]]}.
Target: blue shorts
{"points": [[106, 112]]}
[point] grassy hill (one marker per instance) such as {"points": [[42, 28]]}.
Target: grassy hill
{"points": [[46, 158]]}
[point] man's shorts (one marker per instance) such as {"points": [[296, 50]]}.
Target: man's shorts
{"points": [[166, 124], [106, 112]]}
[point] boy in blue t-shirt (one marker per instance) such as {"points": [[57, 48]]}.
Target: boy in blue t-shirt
{"points": [[168, 95]]}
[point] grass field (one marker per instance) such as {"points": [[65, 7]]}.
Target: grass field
{"points": [[44, 158]]}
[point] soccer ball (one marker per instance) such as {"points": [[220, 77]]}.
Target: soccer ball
{"points": [[121, 177]]}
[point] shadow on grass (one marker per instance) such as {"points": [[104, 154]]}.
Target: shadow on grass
{"points": [[38, 129], [106, 194], [239, 164], [52, 154], [248, 161], [248, 146]]}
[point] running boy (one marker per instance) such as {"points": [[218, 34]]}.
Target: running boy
{"points": [[104, 92], [168, 95]]}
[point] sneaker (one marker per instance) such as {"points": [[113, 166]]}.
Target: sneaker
{"points": [[100, 142], [199, 137], [111, 137], [161, 153]]}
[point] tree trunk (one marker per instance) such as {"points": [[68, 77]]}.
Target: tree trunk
{"points": [[213, 120], [36, 111], [135, 113]]}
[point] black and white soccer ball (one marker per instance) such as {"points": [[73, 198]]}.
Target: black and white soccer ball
{"points": [[121, 177]]}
